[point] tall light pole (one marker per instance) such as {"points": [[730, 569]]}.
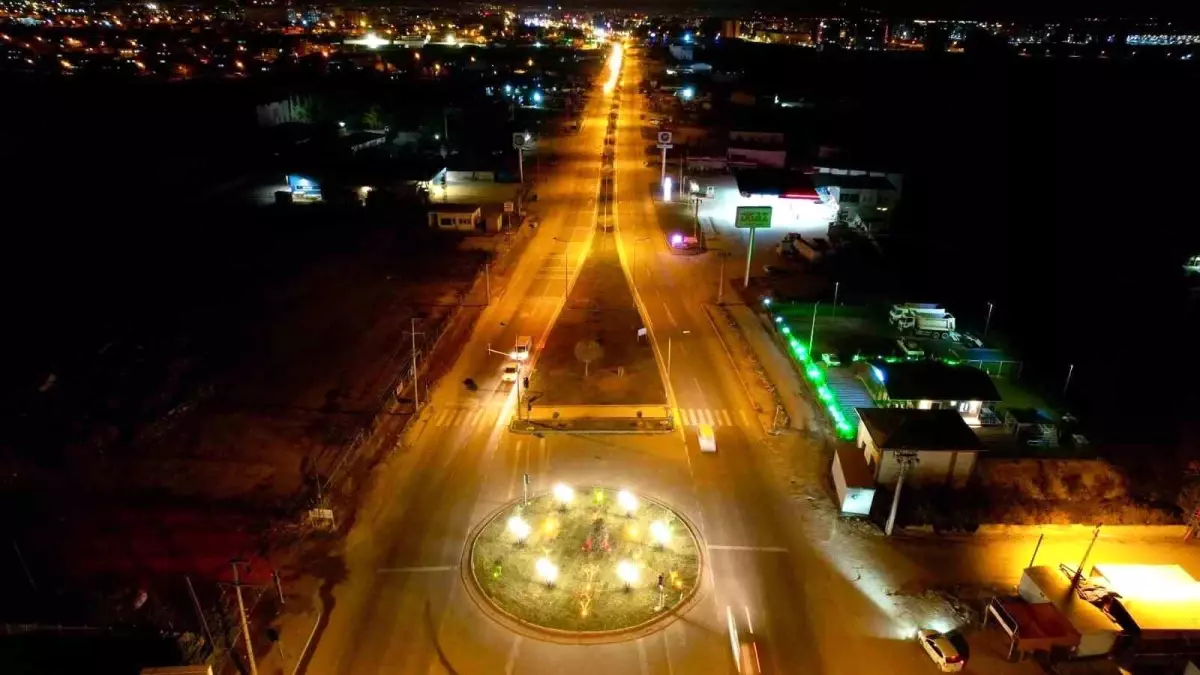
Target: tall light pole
{"points": [[812, 331], [1070, 372], [988, 324], [635, 252], [416, 383], [836, 287]]}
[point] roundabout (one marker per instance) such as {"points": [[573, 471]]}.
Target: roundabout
{"points": [[583, 564]]}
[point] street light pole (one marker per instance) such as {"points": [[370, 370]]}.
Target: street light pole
{"points": [[836, 286], [521, 163], [1070, 371], [415, 383], [988, 324], [812, 331]]}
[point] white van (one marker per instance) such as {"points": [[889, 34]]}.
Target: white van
{"points": [[523, 348], [708, 440]]}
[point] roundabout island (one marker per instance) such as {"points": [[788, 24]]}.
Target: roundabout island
{"points": [[584, 564]]}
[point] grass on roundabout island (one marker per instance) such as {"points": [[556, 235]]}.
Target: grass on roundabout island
{"points": [[590, 547]]}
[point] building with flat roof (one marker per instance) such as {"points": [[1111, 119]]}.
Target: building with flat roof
{"points": [[933, 385], [946, 448]]}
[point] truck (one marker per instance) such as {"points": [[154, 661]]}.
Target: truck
{"points": [[522, 349], [920, 318]]}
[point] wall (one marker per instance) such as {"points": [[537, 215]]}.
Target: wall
{"points": [[933, 467], [772, 158]]}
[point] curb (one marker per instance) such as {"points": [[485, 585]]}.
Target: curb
{"points": [[557, 636], [733, 363]]}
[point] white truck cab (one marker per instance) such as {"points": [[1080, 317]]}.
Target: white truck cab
{"points": [[522, 349]]}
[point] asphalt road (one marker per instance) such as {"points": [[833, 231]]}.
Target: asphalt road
{"points": [[401, 606]]}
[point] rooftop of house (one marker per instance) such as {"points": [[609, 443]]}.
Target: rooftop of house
{"points": [[910, 429], [935, 381]]}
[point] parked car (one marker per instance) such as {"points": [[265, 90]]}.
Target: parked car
{"points": [[941, 650]]}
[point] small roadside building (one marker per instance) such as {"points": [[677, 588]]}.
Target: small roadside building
{"points": [[933, 385], [853, 481], [946, 449], [458, 217]]}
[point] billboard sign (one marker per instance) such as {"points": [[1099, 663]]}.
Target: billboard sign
{"points": [[753, 217]]}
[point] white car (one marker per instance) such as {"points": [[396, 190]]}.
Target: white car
{"points": [[511, 372], [941, 650], [708, 440]]}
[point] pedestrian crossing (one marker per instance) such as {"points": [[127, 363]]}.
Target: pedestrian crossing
{"points": [[463, 417], [714, 418]]}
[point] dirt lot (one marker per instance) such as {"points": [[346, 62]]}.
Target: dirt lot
{"points": [[600, 309], [221, 387]]}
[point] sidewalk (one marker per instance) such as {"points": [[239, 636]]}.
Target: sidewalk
{"points": [[778, 369]]}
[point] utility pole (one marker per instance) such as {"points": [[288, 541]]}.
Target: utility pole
{"points": [[1070, 371], [416, 389], [662, 178], [237, 587], [988, 324], [521, 163], [837, 285], [446, 125], [907, 459], [721, 279], [682, 161]]}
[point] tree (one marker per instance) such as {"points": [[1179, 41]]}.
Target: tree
{"points": [[373, 118], [588, 351]]}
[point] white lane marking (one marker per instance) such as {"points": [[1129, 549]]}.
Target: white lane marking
{"points": [[725, 418], [478, 416], [667, 651], [755, 549], [745, 420], [699, 390], [643, 661], [513, 651], [708, 418], [414, 570], [437, 419], [669, 314], [693, 417]]}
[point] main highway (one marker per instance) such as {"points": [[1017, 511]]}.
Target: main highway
{"points": [[399, 605]]}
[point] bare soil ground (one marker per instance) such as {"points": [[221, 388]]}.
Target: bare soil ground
{"points": [[600, 308]]}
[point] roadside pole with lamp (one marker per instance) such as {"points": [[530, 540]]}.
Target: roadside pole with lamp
{"points": [[520, 141]]}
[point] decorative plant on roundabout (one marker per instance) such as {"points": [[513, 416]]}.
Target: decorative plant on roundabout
{"points": [[588, 560]]}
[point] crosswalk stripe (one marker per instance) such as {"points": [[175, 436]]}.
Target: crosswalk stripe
{"points": [[708, 418], [440, 418], [692, 417], [725, 418]]}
